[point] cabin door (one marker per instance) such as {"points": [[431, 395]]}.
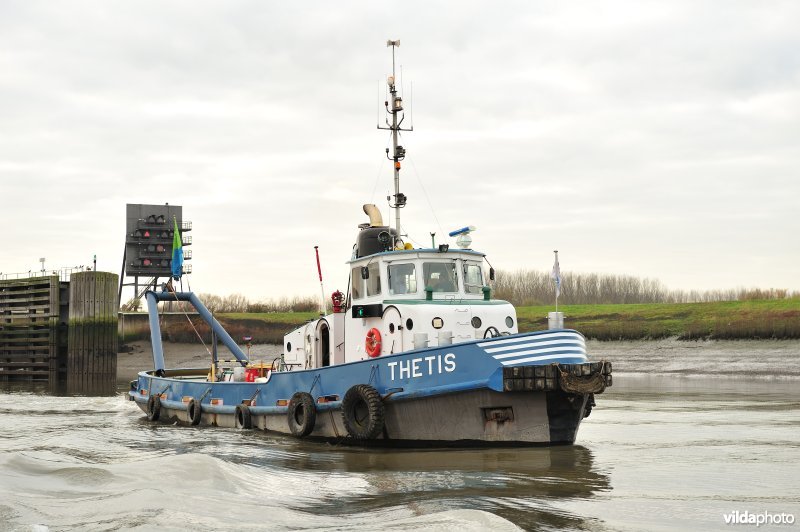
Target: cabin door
{"points": [[322, 355], [392, 332]]}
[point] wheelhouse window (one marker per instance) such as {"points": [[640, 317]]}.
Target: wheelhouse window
{"points": [[356, 283], [374, 280], [473, 278], [440, 276], [402, 279]]}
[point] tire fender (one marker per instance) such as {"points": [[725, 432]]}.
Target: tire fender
{"points": [[154, 408], [195, 411], [243, 418], [302, 414], [363, 412]]}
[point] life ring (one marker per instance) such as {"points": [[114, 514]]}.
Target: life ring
{"points": [[302, 414], [153, 407], [373, 342], [243, 418], [195, 411], [363, 413]]}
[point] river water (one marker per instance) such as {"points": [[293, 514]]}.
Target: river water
{"points": [[689, 433]]}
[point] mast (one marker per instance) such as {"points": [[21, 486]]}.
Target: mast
{"points": [[398, 152]]}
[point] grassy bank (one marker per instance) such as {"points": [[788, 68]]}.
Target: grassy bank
{"points": [[267, 327], [779, 319], [688, 321]]}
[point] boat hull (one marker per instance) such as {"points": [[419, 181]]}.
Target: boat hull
{"points": [[458, 419], [528, 389]]}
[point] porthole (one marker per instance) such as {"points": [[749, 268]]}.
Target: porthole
{"points": [[391, 328], [509, 322], [288, 347], [437, 323], [409, 324], [476, 322]]}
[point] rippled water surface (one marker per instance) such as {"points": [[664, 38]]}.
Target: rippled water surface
{"points": [[688, 433]]}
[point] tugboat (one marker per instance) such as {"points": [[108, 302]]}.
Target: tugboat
{"points": [[416, 353]]}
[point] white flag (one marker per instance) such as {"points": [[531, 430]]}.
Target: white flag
{"points": [[556, 276]]}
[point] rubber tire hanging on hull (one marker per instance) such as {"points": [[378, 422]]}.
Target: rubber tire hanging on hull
{"points": [[153, 408], [363, 413], [302, 414], [243, 418], [195, 411]]}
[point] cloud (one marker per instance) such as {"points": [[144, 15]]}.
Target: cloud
{"points": [[635, 137]]}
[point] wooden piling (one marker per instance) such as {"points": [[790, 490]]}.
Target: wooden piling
{"points": [[29, 312], [93, 343]]}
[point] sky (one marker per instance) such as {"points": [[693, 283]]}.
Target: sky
{"points": [[654, 139]]}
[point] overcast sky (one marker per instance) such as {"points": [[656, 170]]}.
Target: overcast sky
{"points": [[657, 139]]}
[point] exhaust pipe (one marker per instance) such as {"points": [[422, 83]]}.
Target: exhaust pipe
{"points": [[375, 218]]}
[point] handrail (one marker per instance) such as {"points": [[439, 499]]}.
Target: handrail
{"points": [[63, 274]]}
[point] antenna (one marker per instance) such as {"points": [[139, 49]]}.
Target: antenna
{"points": [[411, 105], [399, 152]]}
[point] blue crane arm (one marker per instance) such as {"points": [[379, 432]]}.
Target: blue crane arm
{"points": [[155, 328]]}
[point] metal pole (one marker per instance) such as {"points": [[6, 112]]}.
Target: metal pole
{"points": [[396, 162], [557, 277], [155, 333], [122, 275], [322, 289], [395, 109], [214, 358]]}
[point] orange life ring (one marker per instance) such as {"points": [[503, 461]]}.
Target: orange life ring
{"points": [[373, 343]]}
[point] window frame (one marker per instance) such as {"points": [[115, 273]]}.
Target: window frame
{"points": [[479, 287], [355, 277], [374, 279], [427, 277], [412, 275]]}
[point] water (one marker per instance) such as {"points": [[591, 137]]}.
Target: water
{"points": [[672, 449]]}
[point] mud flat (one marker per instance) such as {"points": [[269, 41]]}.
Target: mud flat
{"points": [[138, 356]]}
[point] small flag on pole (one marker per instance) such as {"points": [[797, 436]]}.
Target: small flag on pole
{"points": [[556, 276], [177, 252]]}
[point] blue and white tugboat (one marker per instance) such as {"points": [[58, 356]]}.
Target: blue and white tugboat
{"points": [[416, 353]]}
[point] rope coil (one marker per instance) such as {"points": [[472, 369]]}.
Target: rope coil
{"points": [[595, 383]]}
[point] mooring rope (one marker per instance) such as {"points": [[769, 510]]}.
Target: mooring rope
{"points": [[172, 291], [594, 383]]}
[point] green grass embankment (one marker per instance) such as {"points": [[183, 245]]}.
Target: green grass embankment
{"points": [[263, 327], [688, 321], [778, 319]]}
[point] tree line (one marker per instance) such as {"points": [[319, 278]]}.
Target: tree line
{"points": [[240, 303], [531, 288]]}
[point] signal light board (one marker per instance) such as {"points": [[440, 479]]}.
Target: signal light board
{"points": [[149, 233]]}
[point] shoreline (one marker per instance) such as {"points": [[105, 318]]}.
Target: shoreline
{"points": [[749, 358], [138, 356]]}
